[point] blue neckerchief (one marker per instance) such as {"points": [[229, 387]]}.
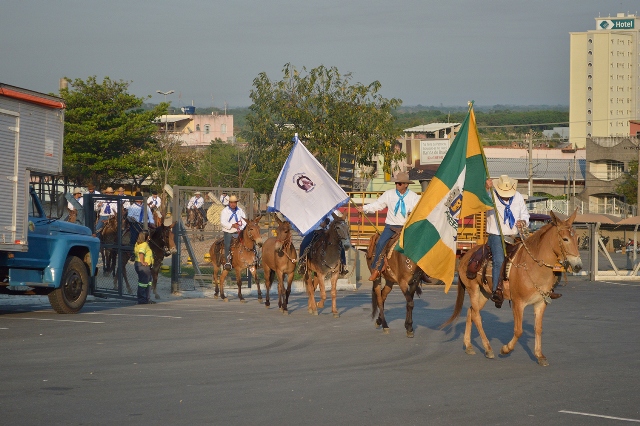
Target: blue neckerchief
{"points": [[141, 215], [400, 204], [107, 209], [508, 214], [234, 213]]}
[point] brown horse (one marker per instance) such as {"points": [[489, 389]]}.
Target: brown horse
{"points": [[531, 280], [243, 255], [279, 257], [402, 271], [195, 221], [109, 235], [162, 243], [324, 257]]}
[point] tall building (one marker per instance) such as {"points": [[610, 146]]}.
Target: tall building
{"points": [[604, 79]]}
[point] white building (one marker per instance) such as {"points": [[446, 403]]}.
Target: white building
{"points": [[604, 79], [198, 130]]}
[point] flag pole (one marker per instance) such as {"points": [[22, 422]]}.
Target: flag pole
{"points": [[493, 199]]}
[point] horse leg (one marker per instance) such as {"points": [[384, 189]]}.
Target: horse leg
{"points": [[538, 312], [214, 281], [123, 262], [223, 276], [311, 305], [154, 280], [518, 310], [288, 292], [334, 294], [239, 284], [319, 282], [477, 303], [409, 294], [267, 285]]}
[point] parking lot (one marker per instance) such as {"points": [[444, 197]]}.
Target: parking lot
{"points": [[203, 361]]}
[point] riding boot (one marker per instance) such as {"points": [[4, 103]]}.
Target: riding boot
{"points": [[554, 295], [343, 270], [497, 297], [374, 275]]}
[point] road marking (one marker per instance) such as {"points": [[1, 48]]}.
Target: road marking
{"points": [[132, 315], [610, 282], [57, 320], [599, 415]]}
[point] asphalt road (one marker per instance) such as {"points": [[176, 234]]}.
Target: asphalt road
{"points": [[203, 361]]}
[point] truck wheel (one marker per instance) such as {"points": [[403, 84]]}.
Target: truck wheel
{"points": [[74, 286]]}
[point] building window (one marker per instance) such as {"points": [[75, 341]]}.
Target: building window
{"points": [[197, 127], [606, 169], [223, 128], [206, 129]]}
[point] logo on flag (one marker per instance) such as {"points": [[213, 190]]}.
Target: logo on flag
{"points": [[304, 182]]}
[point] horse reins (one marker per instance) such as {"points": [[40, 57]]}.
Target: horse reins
{"points": [[286, 243]]}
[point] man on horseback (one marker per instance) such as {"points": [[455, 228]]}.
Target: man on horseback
{"points": [[73, 213], [125, 203], [513, 216], [197, 203], [399, 202], [232, 221], [135, 215], [316, 233], [108, 209], [154, 201]]}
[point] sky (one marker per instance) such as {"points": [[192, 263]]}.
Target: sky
{"points": [[424, 52]]}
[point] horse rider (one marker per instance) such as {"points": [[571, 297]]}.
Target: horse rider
{"points": [[154, 201], [108, 209], [232, 220], [399, 202], [135, 215], [91, 189], [316, 233], [73, 213], [197, 203], [125, 203], [513, 217]]}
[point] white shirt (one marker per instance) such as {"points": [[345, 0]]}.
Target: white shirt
{"points": [[113, 207], [226, 222], [196, 202], [154, 202], [70, 206], [389, 199], [519, 210]]}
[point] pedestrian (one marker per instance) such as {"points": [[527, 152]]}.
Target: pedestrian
{"points": [[144, 260]]}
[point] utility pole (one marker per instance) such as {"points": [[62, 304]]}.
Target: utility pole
{"points": [[166, 119], [530, 137]]}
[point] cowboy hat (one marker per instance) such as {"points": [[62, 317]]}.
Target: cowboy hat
{"points": [[121, 189], [109, 190], [197, 193], [505, 186], [233, 199], [77, 191], [402, 177]]}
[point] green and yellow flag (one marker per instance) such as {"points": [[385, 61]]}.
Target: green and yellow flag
{"points": [[457, 190]]}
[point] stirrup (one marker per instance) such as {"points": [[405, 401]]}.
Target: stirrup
{"points": [[227, 266]]}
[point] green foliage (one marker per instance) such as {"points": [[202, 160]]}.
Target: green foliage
{"points": [[629, 185], [330, 114], [107, 136]]}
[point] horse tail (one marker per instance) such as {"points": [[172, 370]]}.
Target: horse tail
{"points": [[459, 301]]}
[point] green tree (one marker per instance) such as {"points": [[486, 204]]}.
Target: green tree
{"points": [[629, 185], [107, 137], [328, 112]]}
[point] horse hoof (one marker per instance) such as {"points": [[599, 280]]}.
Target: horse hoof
{"points": [[215, 296], [336, 315], [385, 330], [543, 362], [410, 334], [489, 354], [281, 310], [504, 350], [259, 299], [320, 305], [285, 313], [226, 299], [470, 351], [315, 313], [243, 301], [267, 306]]}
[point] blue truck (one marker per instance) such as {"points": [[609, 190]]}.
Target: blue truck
{"points": [[38, 255]]}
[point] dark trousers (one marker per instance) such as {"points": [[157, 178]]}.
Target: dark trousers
{"points": [[228, 237], [497, 253], [144, 280], [386, 235], [309, 238]]}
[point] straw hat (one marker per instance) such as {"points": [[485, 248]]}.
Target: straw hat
{"points": [[109, 190], [505, 186], [233, 199], [402, 177], [77, 191], [197, 193], [121, 189]]}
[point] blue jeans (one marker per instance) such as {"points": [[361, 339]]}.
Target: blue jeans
{"points": [[386, 235], [497, 253], [309, 237], [227, 244], [144, 281], [101, 222]]}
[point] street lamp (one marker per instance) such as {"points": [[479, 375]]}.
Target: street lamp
{"points": [[167, 114]]}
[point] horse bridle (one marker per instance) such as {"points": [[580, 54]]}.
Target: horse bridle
{"points": [[286, 243], [563, 259]]}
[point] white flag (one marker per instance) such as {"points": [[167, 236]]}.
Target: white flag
{"points": [[304, 192]]}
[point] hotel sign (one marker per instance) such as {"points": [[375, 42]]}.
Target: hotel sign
{"points": [[615, 24], [433, 151]]}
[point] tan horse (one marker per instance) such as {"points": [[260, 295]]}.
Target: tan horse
{"points": [[324, 257], [531, 280], [243, 255], [279, 258], [402, 271]]}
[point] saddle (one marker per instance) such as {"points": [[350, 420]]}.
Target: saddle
{"points": [[482, 256], [387, 250]]}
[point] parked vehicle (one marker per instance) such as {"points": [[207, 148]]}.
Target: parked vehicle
{"points": [[38, 255]]}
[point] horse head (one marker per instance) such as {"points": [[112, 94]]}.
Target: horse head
{"points": [[252, 231], [283, 233], [341, 229], [566, 248]]}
